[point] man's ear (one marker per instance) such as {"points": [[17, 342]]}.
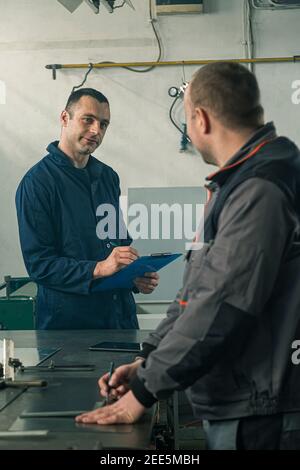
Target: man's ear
{"points": [[203, 120], [64, 118]]}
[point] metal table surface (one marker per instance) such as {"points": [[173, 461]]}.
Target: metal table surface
{"points": [[70, 390]]}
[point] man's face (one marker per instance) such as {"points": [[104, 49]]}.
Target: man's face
{"points": [[190, 118], [197, 128], [85, 125]]}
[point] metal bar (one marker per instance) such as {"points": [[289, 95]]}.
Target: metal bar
{"points": [[56, 368], [256, 60], [17, 393], [51, 414], [31, 433]]}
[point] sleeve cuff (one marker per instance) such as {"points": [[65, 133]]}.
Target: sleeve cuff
{"points": [[146, 350], [90, 277], [141, 393]]}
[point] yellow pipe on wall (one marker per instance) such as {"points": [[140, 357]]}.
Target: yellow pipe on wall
{"points": [[111, 65], [103, 65]]}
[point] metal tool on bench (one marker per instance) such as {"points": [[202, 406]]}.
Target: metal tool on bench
{"points": [[9, 367], [12, 364], [53, 367], [22, 383]]}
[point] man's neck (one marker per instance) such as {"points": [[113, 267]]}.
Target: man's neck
{"points": [[78, 160], [228, 145]]}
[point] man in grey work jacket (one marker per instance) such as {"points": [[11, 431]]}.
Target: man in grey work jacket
{"points": [[57, 202], [228, 337]]}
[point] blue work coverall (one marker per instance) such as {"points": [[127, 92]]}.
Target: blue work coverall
{"points": [[56, 208]]}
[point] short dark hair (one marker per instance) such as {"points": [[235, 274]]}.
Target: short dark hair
{"points": [[230, 91], [76, 95]]}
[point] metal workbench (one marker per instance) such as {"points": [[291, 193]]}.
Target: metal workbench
{"points": [[69, 390]]}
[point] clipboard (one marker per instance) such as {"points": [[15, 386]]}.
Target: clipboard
{"points": [[123, 279]]}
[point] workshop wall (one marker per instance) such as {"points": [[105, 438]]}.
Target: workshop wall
{"points": [[141, 143]]}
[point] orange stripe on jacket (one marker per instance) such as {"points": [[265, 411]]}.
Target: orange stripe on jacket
{"points": [[251, 154]]}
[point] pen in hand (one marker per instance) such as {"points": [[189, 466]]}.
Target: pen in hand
{"points": [[111, 371]]}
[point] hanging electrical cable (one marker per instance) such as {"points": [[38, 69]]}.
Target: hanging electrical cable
{"points": [[148, 69], [159, 45], [152, 21], [247, 32], [171, 113], [85, 78], [250, 33], [131, 69], [120, 6], [178, 93]]}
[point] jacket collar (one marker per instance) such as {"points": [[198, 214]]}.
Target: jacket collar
{"points": [[262, 135], [59, 157], [94, 166]]}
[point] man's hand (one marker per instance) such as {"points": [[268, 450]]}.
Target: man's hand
{"points": [[119, 382], [120, 257], [126, 410], [148, 283]]}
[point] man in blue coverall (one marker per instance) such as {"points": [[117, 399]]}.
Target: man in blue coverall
{"points": [[56, 205]]}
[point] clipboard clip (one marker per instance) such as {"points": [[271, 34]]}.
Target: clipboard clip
{"points": [[161, 254]]}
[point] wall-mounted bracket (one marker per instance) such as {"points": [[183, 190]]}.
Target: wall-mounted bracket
{"points": [[54, 67]]}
